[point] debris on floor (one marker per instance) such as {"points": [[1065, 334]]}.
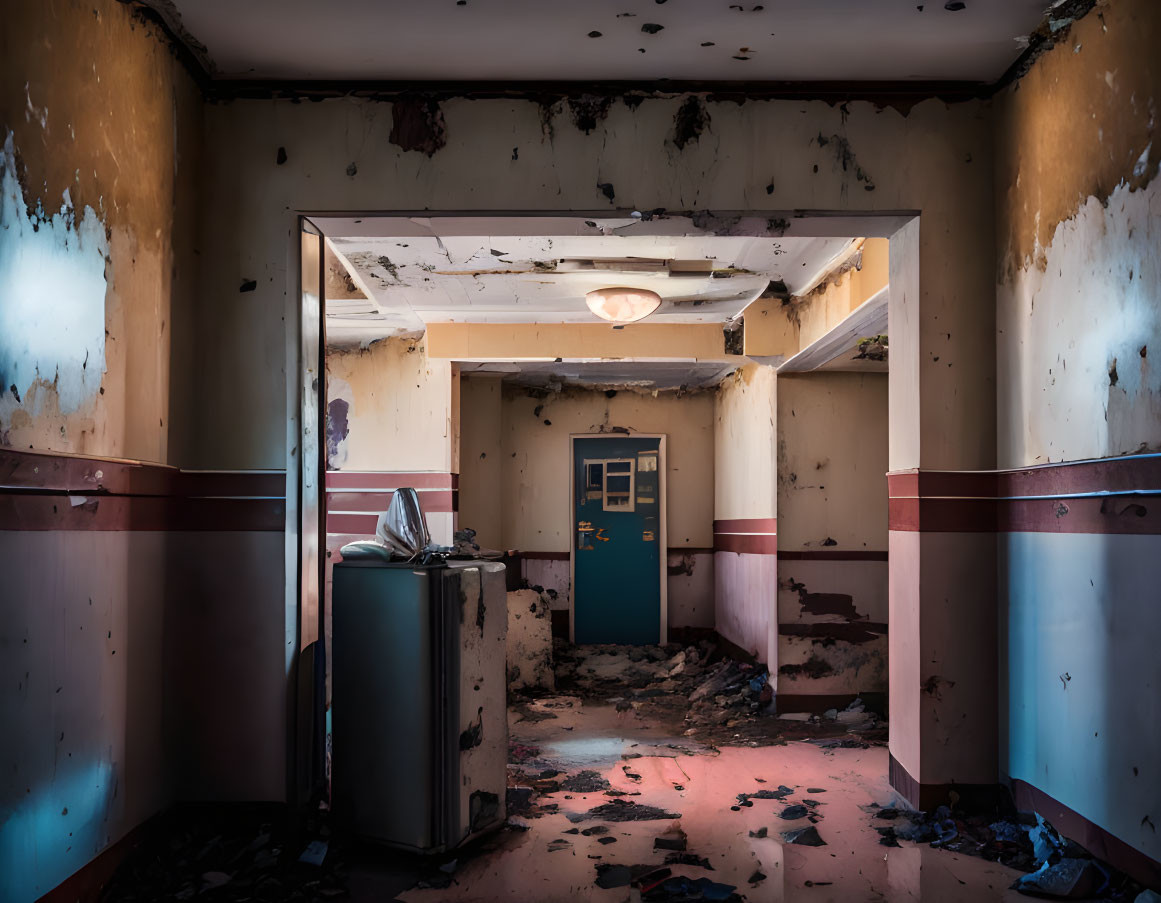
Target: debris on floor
{"points": [[711, 697], [623, 810], [1056, 867], [804, 837]]}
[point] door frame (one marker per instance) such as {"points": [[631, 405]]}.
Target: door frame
{"points": [[663, 538]]}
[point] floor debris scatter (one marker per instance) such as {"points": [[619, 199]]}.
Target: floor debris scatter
{"points": [[621, 789], [701, 692], [1053, 866]]}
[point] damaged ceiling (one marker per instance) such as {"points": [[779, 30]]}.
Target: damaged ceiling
{"points": [[645, 376], [605, 40], [397, 274]]}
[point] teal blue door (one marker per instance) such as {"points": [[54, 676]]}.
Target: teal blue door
{"points": [[617, 540]]}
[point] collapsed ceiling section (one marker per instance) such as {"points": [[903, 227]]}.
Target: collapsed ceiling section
{"points": [[393, 276]]}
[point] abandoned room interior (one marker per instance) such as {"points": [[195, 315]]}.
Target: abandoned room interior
{"points": [[497, 450]]}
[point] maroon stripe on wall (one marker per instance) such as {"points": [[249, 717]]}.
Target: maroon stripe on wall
{"points": [[564, 556], [40, 491], [747, 525], [1126, 474], [378, 479], [430, 500], [1005, 502], [80, 474], [748, 536], [1091, 836], [831, 555], [762, 544]]}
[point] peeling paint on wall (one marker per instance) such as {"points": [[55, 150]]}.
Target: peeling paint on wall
{"points": [[52, 301], [417, 124], [1074, 382]]}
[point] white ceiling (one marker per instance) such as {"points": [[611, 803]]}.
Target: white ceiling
{"points": [[548, 40], [446, 271]]}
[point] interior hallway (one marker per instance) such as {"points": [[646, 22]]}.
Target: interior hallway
{"points": [[361, 361]]}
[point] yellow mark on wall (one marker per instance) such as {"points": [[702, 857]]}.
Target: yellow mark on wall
{"points": [[601, 535]]}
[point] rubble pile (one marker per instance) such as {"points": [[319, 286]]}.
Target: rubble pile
{"points": [[703, 693], [1055, 867]]}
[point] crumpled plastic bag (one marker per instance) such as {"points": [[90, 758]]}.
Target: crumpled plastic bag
{"points": [[401, 533]]}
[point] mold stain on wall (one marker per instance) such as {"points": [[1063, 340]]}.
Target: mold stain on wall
{"points": [[52, 319]]}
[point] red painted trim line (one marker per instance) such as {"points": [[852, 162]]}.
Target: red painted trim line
{"points": [[364, 480], [430, 500], [1103, 515], [1109, 496], [45, 472], [112, 513], [564, 556], [41, 491], [1089, 835], [743, 544], [831, 555], [747, 536], [747, 525], [1127, 474]]}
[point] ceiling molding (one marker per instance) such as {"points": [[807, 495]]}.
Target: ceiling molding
{"points": [[868, 319]]}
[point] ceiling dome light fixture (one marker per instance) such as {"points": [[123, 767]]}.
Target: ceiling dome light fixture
{"points": [[621, 304]]}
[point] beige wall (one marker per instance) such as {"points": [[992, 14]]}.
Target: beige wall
{"points": [[935, 158], [482, 458], [400, 408], [100, 129], [774, 326], [745, 415], [745, 584], [832, 462], [97, 114], [832, 500], [1079, 279], [1078, 327], [535, 458]]}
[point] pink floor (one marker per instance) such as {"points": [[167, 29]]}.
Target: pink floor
{"points": [[852, 866]]}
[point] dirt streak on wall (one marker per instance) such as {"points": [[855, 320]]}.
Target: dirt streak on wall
{"points": [[389, 408], [832, 502], [1078, 323], [1078, 124]]}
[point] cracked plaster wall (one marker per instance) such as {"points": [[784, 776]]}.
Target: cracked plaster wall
{"points": [[1078, 323], [100, 128], [832, 500], [935, 158], [745, 584], [390, 408]]}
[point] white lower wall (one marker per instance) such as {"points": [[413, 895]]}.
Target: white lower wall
{"points": [[138, 668], [1081, 675], [745, 593], [81, 662]]}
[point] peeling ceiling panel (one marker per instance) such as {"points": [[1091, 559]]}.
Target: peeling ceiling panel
{"points": [[647, 376], [609, 40], [505, 278]]}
